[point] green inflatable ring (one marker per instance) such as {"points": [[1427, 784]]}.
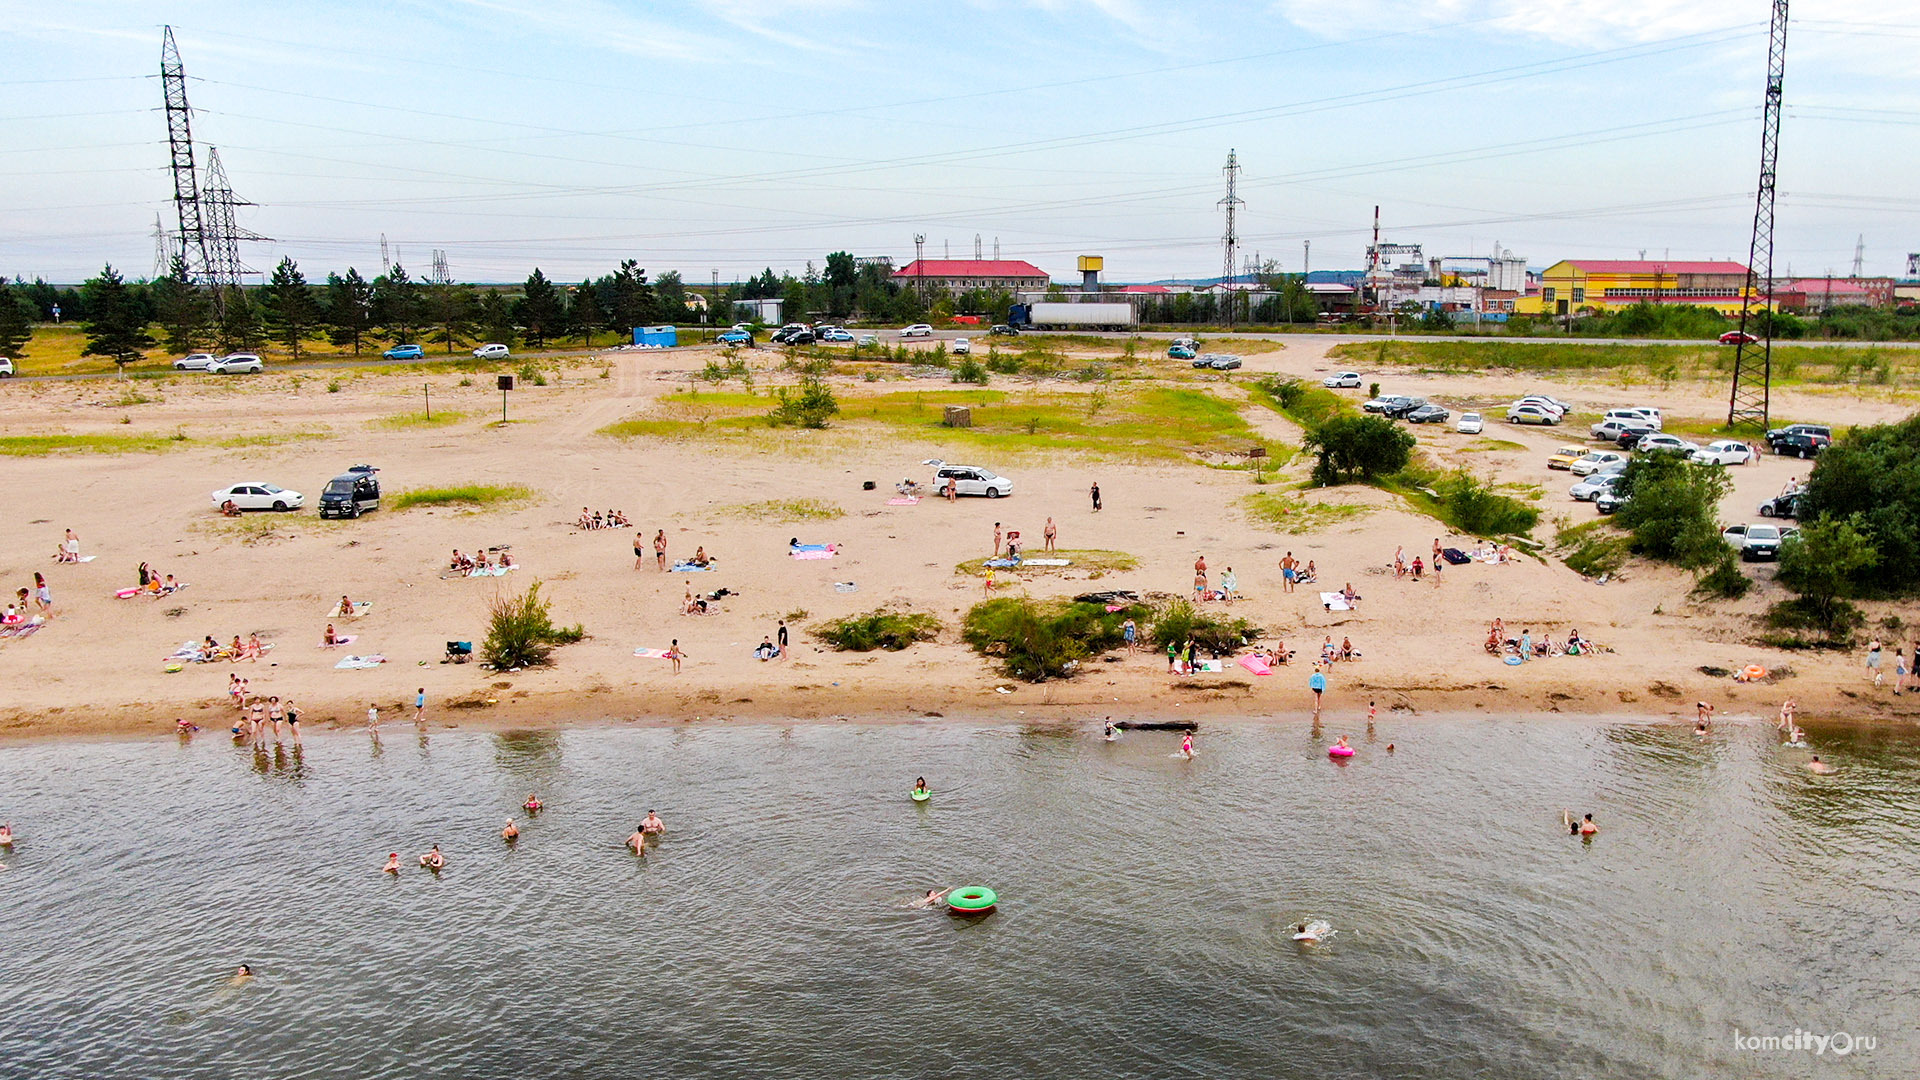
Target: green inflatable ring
{"points": [[972, 900], [921, 795]]}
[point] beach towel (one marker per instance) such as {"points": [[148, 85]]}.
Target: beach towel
{"points": [[360, 607], [127, 594], [1257, 665], [845, 586], [20, 630], [362, 661], [1334, 601], [690, 568], [651, 654], [86, 558], [489, 571], [904, 500], [810, 547], [1210, 665], [1045, 562], [1002, 564], [187, 651], [340, 640], [1455, 556], [809, 553]]}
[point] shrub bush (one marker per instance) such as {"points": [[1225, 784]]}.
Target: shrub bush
{"points": [[968, 370], [810, 405], [1473, 507], [1724, 581], [1358, 448], [1177, 621], [520, 630], [1672, 509], [1040, 640], [879, 629]]}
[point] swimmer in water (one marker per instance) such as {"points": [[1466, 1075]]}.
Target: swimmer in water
{"points": [[393, 863], [1704, 711], [1312, 932], [1700, 727], [1186, 746], [637, 843], [933, 897], [240, 977], [511, 832], [1112, 733], [1818, 766], [1796, 737], [6, 834], [1389, 748], [920, 788], [653, 826], [533, 805], [433, 860]]}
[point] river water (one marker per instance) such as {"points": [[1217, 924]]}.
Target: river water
{"points": [[1142, 931]]}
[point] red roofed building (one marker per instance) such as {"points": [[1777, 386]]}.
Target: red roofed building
{"points": [[1574, 285], [1823, 293], [958, 275]]}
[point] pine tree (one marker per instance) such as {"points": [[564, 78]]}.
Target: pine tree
{"points": [[397, 304], [583, 314], [541, 310], [240, 329], [633, 303], [349, 309], [114, 328], [496, 319], [288, 306], [453, 309], [183, 309], [16, 324]]}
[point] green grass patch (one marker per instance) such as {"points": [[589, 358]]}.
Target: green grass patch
{"points": [[1300, 401], [1151, 423], [1037, 640], [1485, 446], [786, 510], [1295, 515], [1092, 559], [271, 438], [1872, 366], [43, 445], [1592, 548], [1177, 622], [880, 629], [1463, 502], [468, 496], [404, 421]]}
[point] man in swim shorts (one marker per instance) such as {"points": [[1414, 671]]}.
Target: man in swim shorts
{"points": [[1288, 572], [653, 826]]}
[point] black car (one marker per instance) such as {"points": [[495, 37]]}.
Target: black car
{"points": [[1003, 330], [1397, 408], [793, 335], [1630, 437], [1800, 440], [1609, 503], [1782, 506], [351, 494], [1428, 414]]}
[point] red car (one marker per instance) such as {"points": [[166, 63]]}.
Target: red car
{"points": [[1737, 337]]}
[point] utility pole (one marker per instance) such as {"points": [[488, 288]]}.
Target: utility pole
{"points": [[223, 233], [386, 264], [1859, 253], [441, 276], [976, 247], [1747, 405], [1230, 241], [162, 250], [920, 266]]}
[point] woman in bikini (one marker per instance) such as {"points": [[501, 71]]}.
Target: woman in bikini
{"points": [[275, 715]]}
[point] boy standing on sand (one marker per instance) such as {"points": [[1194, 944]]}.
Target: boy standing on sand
{"points": [[1288, 572], [660, 549], [783, 639]]}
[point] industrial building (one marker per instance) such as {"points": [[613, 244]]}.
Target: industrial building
{"points": [[956, 276], [1574, 285]]}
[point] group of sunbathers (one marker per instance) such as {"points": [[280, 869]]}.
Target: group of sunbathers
{"points": [[594, 519], [1527, 647], [151, 583], [1329, 652], [209, 650], [466, 564], [69, 550]]}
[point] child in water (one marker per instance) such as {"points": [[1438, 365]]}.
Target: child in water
{"points": [[1186, 746]]}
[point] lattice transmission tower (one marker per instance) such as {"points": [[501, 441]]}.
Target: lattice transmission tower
{"points": [[209, 236], [1753, 363], [1230, 240], [217, 203]]}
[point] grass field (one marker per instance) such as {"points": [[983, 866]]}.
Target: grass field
{"points": [[411, 420], [1877, 365], [1296, 516], [1079, 560], [471, 496], [786, 510]]}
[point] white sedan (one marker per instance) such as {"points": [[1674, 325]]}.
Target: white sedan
{"points": [[199, 361], [492, 351], [1529, 413], [1468, 424], [1344, 379], [1723, 452], [1659, 443], [256, 495], [919, 329], [1599, 461], [240, 363]]}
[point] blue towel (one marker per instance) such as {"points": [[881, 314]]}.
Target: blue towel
{"points": [[807, 547], [1002, 563], [689, 568]]}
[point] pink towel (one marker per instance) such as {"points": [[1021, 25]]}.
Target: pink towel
{"points": [[813, 554], [1256, 665], [651, 654], [904, 500]]}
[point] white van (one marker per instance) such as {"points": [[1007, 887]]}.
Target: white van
{"points": [[1647, 416]]}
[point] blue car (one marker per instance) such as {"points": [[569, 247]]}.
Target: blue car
{"points": [[405, 352], [736, 337], [1180, 352]]}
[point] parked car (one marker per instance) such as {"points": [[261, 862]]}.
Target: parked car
{"points": [[1427, 414], [918, 329], [1661, 443], [1782, 506], [258, 495], [735, 337], [199, 361], [1630, 437], [1003, 330], [836, 334], [1622, 418], [1547, 403], [492, 351], [240, 363], [6, 367], [1723, 452], [1564, 457], [1344, 379], [970, 480], [352, 493], [1531, 414], [961, 347], [1222, 361], [1397, 408], [1598, 461], [1469, 424], [793, 334], [1609, 503], [1763, 541], [1180, 352], [405, 352], [1737, 337], [1187, 342], [1611, 429], [1800, 440], [1594, 486], [868, 339]]}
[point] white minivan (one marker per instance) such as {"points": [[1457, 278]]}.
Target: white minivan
{"points": [[1635, 415], [969, 480]]}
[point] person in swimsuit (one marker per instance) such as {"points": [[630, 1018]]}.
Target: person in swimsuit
{"points": [[420, 705], [653, 826], [533, 805], [433, 860], [275, 715], [1288, 572], [331, 638], [1112, 733], [1095, 492], [70, 547], [6, 834], [1704, 713], [700, 556], [675, 654], [639, 550], [781, 633], [933, 897], [393, 863], [293, 720], [1816, 765], [242, 975], [1186, 746], [346, 606], [42, 595], [637, 843], [1048, 534], [1131, 633], [511, 832]]}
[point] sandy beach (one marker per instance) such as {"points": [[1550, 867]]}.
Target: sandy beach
{"points": [[98, 666]]}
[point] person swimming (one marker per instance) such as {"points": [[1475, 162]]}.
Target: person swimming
{"points": [[393, 863], [6, 834], [1186, 746], [533, 805], [1312, 931], [637, 843], [1700, 727], [241, 976], [1818, 766], [933, 897], [1583, 827], [653, 826], [433, 860], [511, 832], [1112, 733]]}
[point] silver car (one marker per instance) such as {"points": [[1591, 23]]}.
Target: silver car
{"points": [[1595, 486]]}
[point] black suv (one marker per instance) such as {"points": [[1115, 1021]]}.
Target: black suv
{"points": [[1004, 330], [351, 494], [1800, 440], [1397, 408]]}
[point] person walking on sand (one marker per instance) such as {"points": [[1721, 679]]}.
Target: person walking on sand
{"points": [[639, 550], [660, 550], [1873, 654], [996, 539], [373, 715], [42, 595], [1096, 497], [1317, 682], [781, 637], [675, 654], [420, 705], [1048, 534]]}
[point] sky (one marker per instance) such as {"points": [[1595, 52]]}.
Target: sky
{"points": [[718, 137]]}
